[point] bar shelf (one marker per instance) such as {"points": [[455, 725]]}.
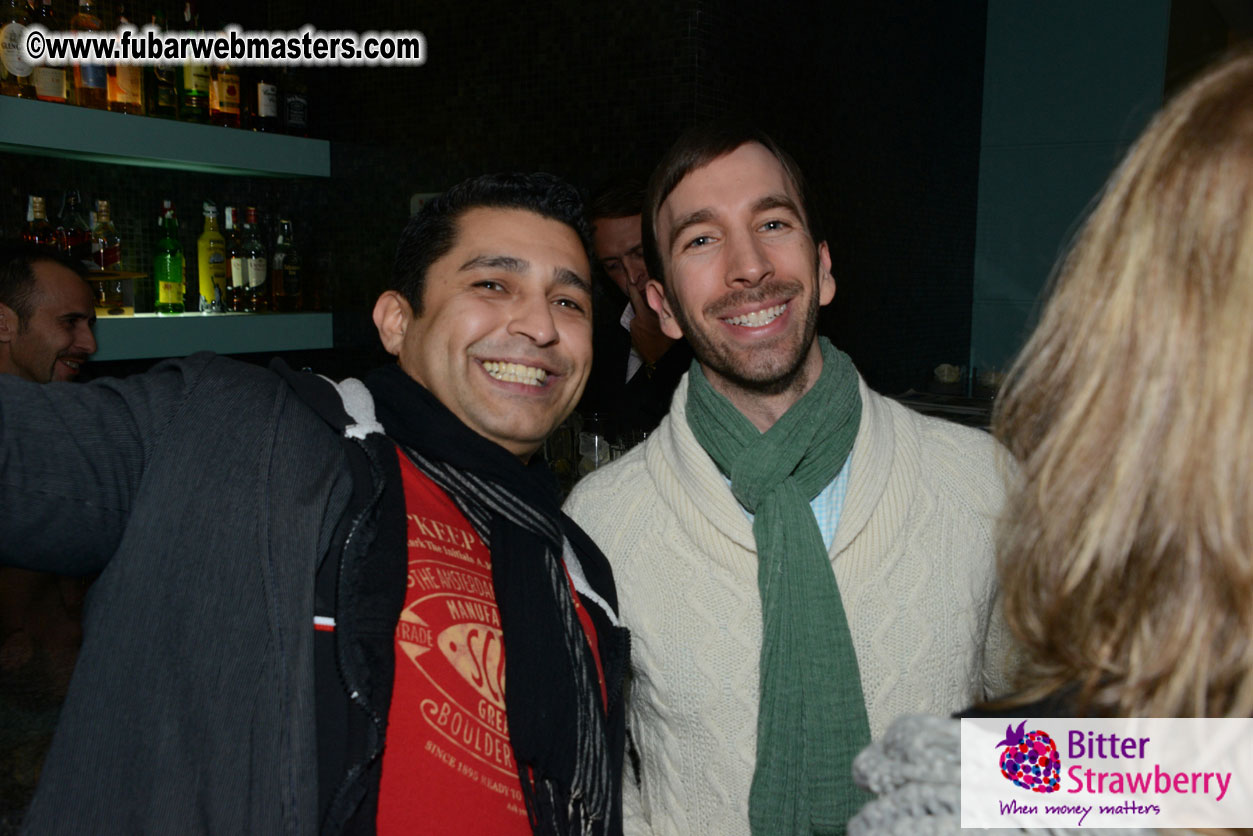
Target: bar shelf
{"points": [[79, 133]]}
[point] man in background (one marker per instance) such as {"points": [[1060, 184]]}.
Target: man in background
{"points": [[47, 311], [637, 365], [46, 315]]}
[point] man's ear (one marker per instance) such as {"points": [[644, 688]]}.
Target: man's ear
{"points": [[392, 316], [8, 323], [661, 305], [826, 280]]}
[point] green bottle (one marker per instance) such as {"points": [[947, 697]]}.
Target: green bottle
{"points": [[168, 268]]}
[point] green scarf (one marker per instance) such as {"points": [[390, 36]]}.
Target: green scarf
{"points": [[811, 719]]}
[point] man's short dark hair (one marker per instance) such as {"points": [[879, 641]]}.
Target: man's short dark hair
{"points": [[621, 197], [17, 278], [696, 148], [432, 232]]}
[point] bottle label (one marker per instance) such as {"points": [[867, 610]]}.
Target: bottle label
{"points": [[291, 279], [297, 111], [196, 80], [167, 98], [50, 83], [94, 76], [239, 273], [224, 93], [169, 293], [126, 85], [267, 101], [256, 272], [10, 50]]}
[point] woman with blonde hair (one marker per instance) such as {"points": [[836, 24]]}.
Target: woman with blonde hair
{"points": [[1126, 549]]}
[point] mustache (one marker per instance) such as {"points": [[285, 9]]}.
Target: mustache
{"points": [[771, 289]]}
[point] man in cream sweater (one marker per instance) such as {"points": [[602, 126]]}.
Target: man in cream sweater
{"points": [[800, 559]]}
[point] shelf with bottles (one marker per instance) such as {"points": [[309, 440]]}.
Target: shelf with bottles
{"points": [[67, 132], [145, 336]]}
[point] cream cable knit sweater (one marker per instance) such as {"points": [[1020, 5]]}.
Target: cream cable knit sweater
{"points": [[912, 557]]}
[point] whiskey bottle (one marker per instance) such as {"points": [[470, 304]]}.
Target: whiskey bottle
{"points": [[161, 79], [106, 246], [50, 82], [90, 80], [106, 256], [38, 230], [15, 74], [237, 269], [125, 82], [224, 88], [211, 263], [295, 105], [74, 231], [168, 268], [194, 77], [253, 264], [285, 274], [263, 101]]}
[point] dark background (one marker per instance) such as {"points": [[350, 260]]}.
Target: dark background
{"points": [[880, 103]]}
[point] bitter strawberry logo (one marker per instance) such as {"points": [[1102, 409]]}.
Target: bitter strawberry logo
{"points": [[1030, 759]]}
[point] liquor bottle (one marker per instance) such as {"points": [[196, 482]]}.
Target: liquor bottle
{"points": [[90, 80], [194, 77], [263, 101], [125, 82], [50, 82], [168, 268], [38, 230], [106, 245], [106, 256], [161, 89], [211, 263], [238, 269], [251, 265], [74, 230], [295, 105], [285, 273], [15, 74], [224, 89]]}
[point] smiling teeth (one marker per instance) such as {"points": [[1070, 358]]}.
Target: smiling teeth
{"points": [[756, 319], [516, 373]]}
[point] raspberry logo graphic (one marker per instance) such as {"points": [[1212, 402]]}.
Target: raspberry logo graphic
{"points": [[1030, 760]]}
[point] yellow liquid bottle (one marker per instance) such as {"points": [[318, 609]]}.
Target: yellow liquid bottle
{"points": [[212, 263]]}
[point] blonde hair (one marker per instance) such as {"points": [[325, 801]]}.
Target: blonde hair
{"points": [[1126, 554]]}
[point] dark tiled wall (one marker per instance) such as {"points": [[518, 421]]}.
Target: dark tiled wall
{"points": [[881, 105]]}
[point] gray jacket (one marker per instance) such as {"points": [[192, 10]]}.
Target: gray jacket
{"points": [[205, 492]]}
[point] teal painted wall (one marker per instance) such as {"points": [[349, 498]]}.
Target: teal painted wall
{"points": [[1068, 85]]}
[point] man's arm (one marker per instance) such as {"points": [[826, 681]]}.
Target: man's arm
{"points": [[71, 459]]}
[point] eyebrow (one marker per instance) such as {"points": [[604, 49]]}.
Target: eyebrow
{"points": [[508, 263], [519, 266], [572, 279], [777, 201], [700, 216]]}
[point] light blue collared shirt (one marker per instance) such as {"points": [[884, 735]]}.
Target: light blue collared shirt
{"points": [[827, 506]]}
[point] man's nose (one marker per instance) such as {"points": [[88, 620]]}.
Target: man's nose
{"points": [[747, 260], [531, 316], [637, 270], [85, 340]]}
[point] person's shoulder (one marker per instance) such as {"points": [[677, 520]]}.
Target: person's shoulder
{"points": [[625, 476], [963, 463], [609, 498]]}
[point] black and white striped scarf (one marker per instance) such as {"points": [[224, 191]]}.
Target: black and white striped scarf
{"points": [[553, 702]]}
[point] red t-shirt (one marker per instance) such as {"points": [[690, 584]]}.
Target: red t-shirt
{"points": [[448, 766]]}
